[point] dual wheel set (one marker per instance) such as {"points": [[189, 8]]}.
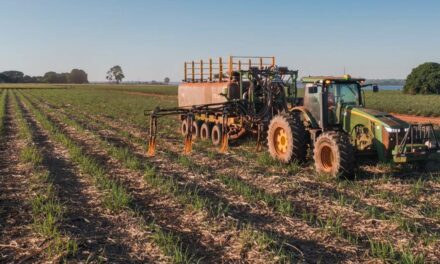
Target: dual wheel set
{"points": [[204, 131], [288, 141]]}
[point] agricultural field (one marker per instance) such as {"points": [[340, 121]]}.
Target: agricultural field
{"points": [[76, 185]]}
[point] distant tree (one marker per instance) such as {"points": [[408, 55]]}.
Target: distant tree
{"points": [[78, 76], [115, 73], [3, 78], [38, 79], [63, 77], [29, 79], [166, 80], [50, 77], [424, 79], [53, 77], [13, 76]]}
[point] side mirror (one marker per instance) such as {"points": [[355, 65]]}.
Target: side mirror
{"points": [[375, 88]]}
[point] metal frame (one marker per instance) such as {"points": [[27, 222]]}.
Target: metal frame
{"points": [[415, 133], [194, 71], [273, 88]]}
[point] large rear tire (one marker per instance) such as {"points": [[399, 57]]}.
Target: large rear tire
{"points": [[333, 154], [286, 138]]}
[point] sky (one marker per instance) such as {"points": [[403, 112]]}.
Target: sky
{"points": [[151, 39]]}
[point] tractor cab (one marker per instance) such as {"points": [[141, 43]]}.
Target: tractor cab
{"points": [[326, 97]]}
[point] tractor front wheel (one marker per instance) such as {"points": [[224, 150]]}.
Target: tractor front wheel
{"points": [[333, 154], [286, 138]]}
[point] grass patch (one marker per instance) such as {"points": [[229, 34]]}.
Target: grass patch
{"points": [[117, 198], [3, 99], [31, 154], [47, 211], [172, 246]]}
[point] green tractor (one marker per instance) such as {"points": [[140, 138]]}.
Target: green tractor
{"points": [[338, 128], [331, 120]]}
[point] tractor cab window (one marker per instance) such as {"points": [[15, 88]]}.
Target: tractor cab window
{"points": [[346, 93]]}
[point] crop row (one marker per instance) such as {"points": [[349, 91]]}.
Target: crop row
{"points": [[342, 196], [284, 207], [116, 196], [187, 194], [418, 187], [3, 98], [47, 210]]}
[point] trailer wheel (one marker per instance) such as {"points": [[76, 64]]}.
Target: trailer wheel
{"points": [[196, 129], [334, 155], [286, 138], [184, 128], [216, 135], [205, 131]]}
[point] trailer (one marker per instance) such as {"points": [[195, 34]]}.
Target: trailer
{"points": [[225, 101]]}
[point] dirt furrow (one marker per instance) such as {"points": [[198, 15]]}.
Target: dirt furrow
{"points": [[269, 220], [239, 155], [16, 236], [210, 240], [100, 235], [279, 181], [367, 226]]}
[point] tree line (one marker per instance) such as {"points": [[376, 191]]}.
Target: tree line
{"points": [[74, 76], [424, 79]]}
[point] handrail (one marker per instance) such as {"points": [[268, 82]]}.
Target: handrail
{"points": [[207, 73]]}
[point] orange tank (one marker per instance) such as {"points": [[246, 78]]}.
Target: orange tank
{"points": [[198, 93]]}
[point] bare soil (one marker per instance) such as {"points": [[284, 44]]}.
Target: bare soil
{"points": [[16, 236], [371, 207], [418, 119], [101, 236], [294, 231]]}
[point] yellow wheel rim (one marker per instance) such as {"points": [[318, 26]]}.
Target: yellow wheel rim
{"points": [[280, 140], [327, 158]]}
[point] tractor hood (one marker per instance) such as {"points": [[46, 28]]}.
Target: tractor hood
{"points": [[389, 122]]}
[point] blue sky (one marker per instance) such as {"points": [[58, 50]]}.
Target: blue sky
{"points": [[151, 39]]}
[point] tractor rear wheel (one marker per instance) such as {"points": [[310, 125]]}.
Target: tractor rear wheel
{"points": [[286, 138], [205, 131], [216, 135], [333, 154]]}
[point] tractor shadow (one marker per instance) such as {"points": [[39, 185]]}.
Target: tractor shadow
{"points": [[371, 169]]}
